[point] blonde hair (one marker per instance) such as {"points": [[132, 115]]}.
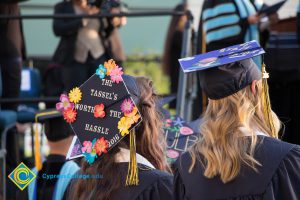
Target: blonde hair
{"points": [[222, 144]]}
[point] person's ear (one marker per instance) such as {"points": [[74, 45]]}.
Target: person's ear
{"points": [[253, 87]]}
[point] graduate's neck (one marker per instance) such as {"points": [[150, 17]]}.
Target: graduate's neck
{"points": [[60, 147]]}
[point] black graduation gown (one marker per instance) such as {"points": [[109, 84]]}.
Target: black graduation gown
{"points": [[278, 178], [153, 185], [45, 187]]}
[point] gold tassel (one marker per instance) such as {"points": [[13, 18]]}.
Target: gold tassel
{"points": [[266, 101], [37, 152], [132, 174]]}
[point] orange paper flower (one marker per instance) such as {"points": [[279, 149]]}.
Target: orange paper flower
{"points": [[109, 65], [99, 111], [101, 146], [133, 117], [70, 115]]}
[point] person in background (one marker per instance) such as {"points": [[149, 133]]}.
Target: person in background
{"points": [[173, 47], [114, 44], [154, 181], [226, 23], [238, 155], [81, 47], [59, 135], [11, 52]]}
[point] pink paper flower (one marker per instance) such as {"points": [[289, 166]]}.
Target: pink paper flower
{"points": [[116, 75], [87, 147], [172, 153], [64, 103], [127, 106]]}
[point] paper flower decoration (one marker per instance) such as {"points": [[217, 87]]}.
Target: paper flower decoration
{"points": [[109, 65], [87, 147], [70, 115], [123, 126], [127, 106], [133, 117], [116, 75], [101, 71], [75, 95], [64, 103], [90, 157], [101, 146], [99, 111]]}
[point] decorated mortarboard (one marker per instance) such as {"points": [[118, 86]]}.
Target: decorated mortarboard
{"points": [[226, 71], [179, 137], [221, 57], [101, 111]]}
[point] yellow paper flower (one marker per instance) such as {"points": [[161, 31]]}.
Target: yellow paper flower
{"points": [[75, 95], [109, 65], [123, 126], [133, 117]]}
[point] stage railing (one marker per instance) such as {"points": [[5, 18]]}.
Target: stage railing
{"points": [[184, 96]]}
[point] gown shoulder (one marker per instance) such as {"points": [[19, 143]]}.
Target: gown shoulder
{"points": [[278, 177]]}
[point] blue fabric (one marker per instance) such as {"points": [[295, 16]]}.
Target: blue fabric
{"points": [[34, 89], [7, 118], [258, 4], [69, 169], [220, 21], [247, 9], [218, 10], [32, 185], [223, 33], [25, 116]]}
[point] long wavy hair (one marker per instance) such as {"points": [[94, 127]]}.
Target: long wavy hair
{"points": [[222, 147], [150, 144]]}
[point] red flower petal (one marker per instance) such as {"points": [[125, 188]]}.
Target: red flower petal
{"points": [[70, 115]]}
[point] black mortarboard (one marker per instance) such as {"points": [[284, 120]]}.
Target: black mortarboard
{"points": [[226, 71], [179, 137], [268, 10], [55, 127], [102, 111]]}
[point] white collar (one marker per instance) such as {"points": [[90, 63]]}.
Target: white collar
{"points": [[124, 156], [260, 133]]}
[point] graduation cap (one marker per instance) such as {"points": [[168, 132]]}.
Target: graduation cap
{"points": [[102, 112], [56, 129], [179, 137], [226, 71]]}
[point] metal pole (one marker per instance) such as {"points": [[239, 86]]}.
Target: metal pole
{"points": [[182, 85], [71, 16]]}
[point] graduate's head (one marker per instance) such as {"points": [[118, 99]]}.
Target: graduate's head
{"points": [[236, 91], [57, 129], [238, 107], [135, 100], [149, 135]]}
